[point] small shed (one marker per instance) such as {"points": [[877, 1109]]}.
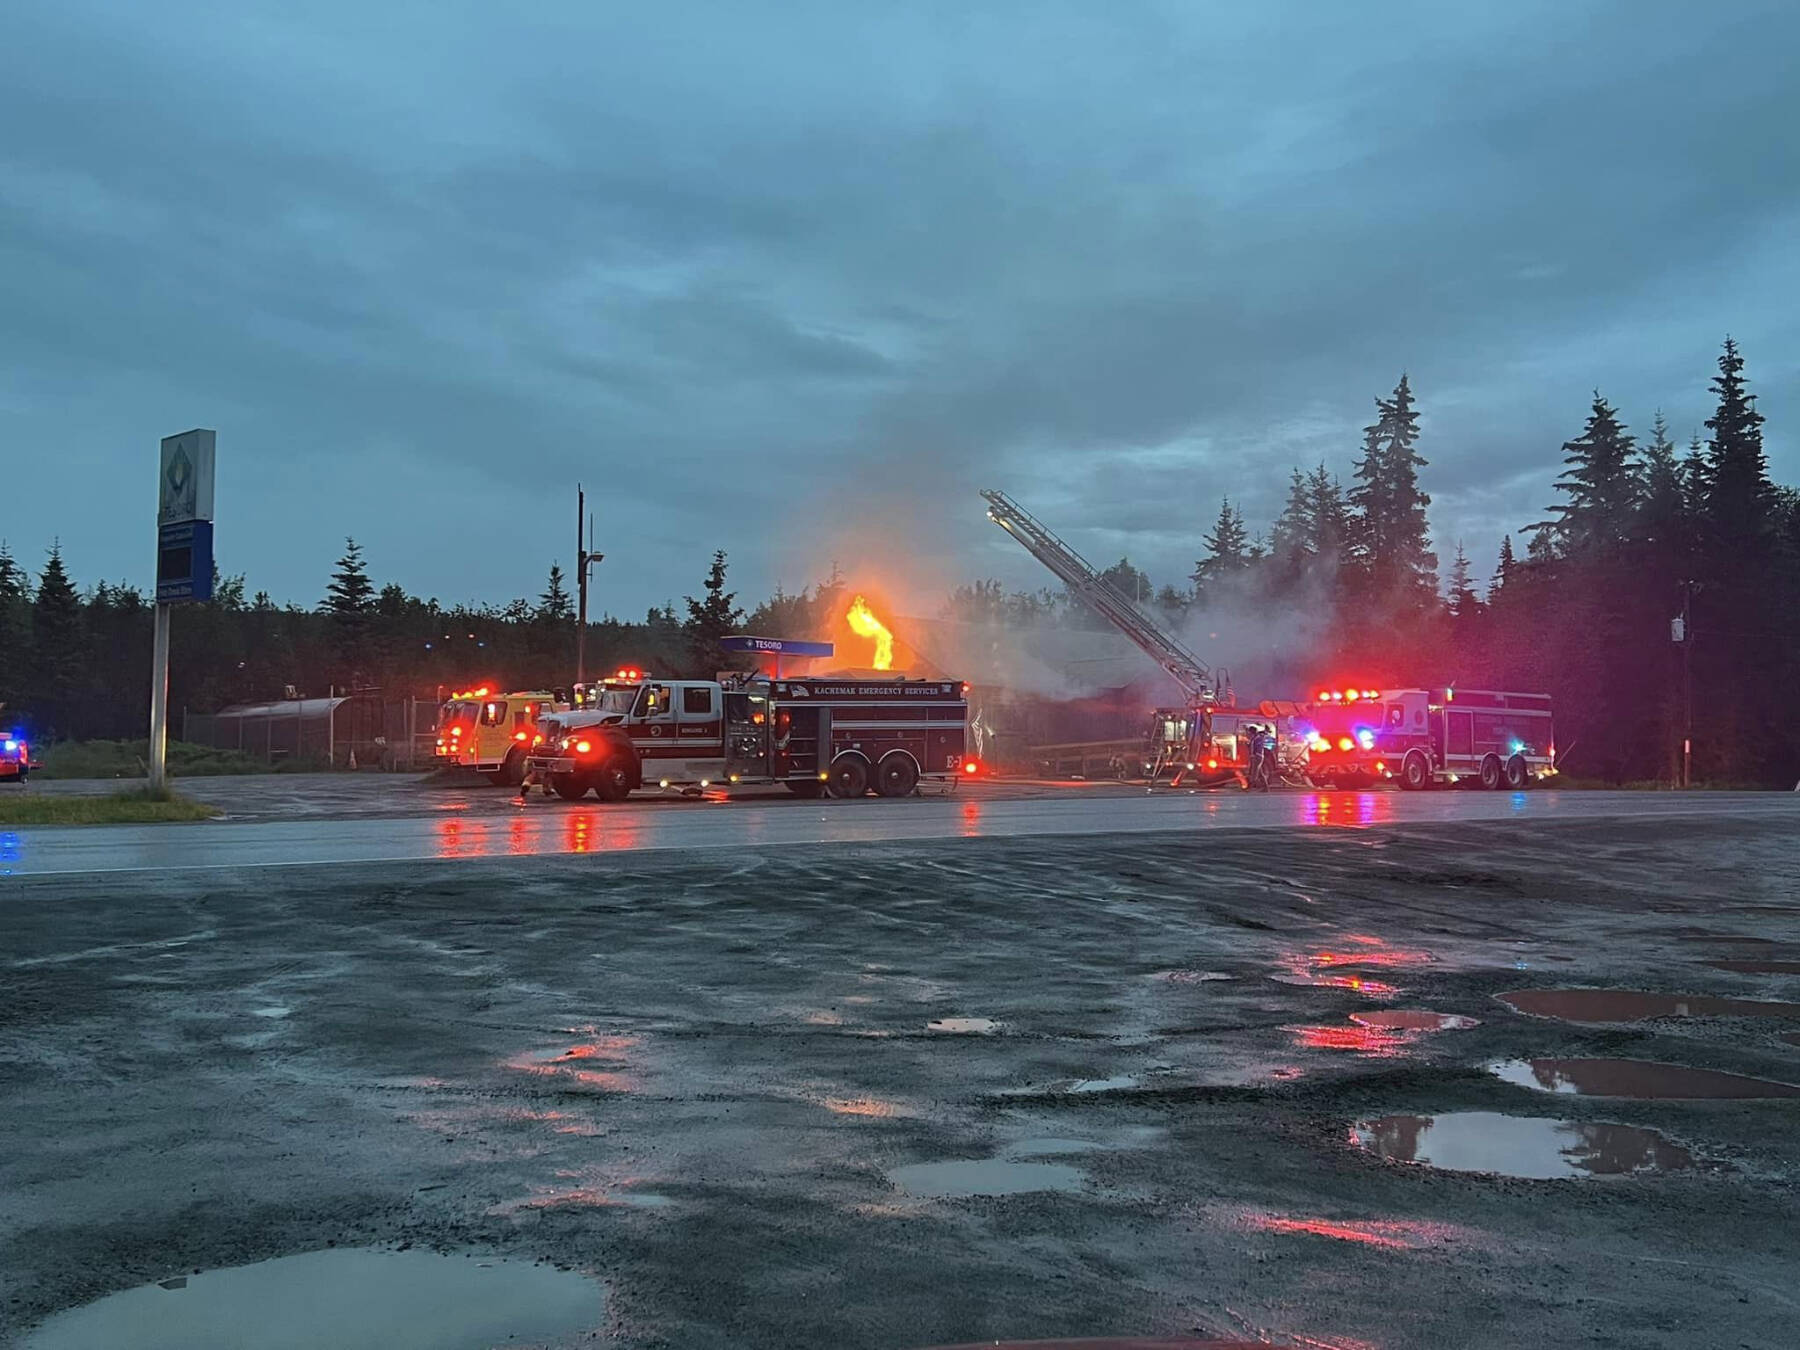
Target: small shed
{"points": [[314, 730]]}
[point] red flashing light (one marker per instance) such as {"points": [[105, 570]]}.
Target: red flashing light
{"points": [[1344, 742], [518, 735], [970, 766], [582, 747], [629, 673], [1325, 696], [1351, 695], [1212, 763]]}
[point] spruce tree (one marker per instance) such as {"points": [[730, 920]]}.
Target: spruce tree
{"points": [[1227, 551], [1291, 537], [1392, 534], [15, 627], [1739, 501], [58, 644], [1601, 483], [711, 618], [1503, 570], [1662, 509], [1329, 516], [351, 595], [1462, 602], [554, 605]]}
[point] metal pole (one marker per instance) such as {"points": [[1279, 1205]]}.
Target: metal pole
{"points": [[159, 703], [581, 570]]}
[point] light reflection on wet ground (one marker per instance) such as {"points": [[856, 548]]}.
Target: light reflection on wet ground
{"points": [[1381, 1033], [1519, 1146], [1386, 1234], [1642, 1079]]}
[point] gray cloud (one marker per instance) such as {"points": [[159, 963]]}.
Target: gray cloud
{"points": [[794, 283]]}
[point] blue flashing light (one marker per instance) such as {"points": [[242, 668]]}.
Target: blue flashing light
{"points": [[1365, 738], [1518, 747]]}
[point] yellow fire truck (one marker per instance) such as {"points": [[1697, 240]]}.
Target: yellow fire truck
{"points": [[492, 733]]}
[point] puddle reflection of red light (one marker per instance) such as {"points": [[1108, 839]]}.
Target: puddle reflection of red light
{"points": [[971, 818], [1346, 808], [1393, 1236], [457, 840], [1361, 1040], [577, 830]]}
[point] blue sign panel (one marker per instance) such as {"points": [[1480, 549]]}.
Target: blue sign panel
{"points": [[776, 646], [184, 562]]}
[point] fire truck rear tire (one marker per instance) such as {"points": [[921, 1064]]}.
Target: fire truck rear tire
{"points": [[896, 775], [613, 782], [1415, 773], [849, 777], [571, 787], [1493, 777], [1518, 774]]}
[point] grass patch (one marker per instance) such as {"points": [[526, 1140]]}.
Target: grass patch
{"points": [[131, 759], [134, 806]]}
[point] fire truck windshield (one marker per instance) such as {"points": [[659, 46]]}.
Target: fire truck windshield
{"points": [[613, 699]]}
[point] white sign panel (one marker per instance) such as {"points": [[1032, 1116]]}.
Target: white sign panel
{"points": [[184, 490]]}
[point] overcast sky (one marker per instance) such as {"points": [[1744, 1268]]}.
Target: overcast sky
{"points": [[796, 280]]}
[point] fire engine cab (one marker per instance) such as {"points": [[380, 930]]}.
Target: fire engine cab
{"points": [[1423, 737], [837, 737], [491, 732]]}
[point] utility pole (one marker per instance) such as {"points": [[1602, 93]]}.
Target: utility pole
{"points": [[1682, 630], [585, 558]]}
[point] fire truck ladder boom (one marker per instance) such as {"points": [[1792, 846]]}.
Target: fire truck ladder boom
{"points": [[1075, 572]]}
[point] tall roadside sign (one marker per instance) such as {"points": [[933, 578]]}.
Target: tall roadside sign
{"points": [[184, 565]]}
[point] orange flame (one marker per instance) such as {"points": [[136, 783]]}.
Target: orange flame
{"points": [[863, 623]]}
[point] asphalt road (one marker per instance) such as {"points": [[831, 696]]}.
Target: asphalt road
{"points": [[484, 825], [931, 1091]]}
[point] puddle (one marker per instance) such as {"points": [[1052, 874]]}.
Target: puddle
{"points": [[1759, 967], [1519, 1146], [347, 1298], [276, 1012], [1634, 1005], [1190, 976], [984, 1176], [1639, 1078], [965, 1026]]}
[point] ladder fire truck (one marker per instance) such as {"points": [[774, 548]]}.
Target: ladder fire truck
{"points": [[838, 737], [1180, 741]]}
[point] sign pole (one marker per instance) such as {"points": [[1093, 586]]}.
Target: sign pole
{"points": [[159, 703], [184, 565]]}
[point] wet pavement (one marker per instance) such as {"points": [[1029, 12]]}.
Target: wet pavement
{"points": [[889, 1094], [361, 821]]}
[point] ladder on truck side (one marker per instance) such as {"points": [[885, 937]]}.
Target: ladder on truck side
{"points": [[1187, 670]]}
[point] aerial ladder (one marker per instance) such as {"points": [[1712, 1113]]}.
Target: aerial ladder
{"points": [[1198, 684]]}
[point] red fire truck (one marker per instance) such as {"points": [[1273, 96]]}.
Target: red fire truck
{"points": [[837, 737], [1420, 738]]}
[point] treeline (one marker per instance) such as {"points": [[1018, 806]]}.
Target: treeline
{"points": [[1641, 532], [76, 665], [1640, 529]]}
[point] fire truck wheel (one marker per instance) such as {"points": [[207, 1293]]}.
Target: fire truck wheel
{"points": [[511, 771], [1493, 777], [571, 787], [1415, 773], [849, 777], [613, 782], [1518, 776], [896, 776]]}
